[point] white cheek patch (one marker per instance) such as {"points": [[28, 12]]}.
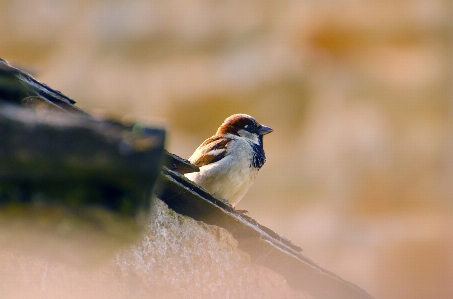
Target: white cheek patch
{"points": [[248, 135], [215, 152]]}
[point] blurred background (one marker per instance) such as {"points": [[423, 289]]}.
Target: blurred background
{"points": [[360, 166]]}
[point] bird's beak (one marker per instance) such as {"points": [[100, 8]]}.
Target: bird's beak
{"points": [[265, 130]]}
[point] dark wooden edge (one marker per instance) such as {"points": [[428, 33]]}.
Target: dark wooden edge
{"points": [[178, 164], [17, 85]]}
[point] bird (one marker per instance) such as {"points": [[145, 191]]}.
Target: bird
{"points": [[229, 161]]}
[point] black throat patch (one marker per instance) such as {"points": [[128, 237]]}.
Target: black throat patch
{"points": [[259, 158]]}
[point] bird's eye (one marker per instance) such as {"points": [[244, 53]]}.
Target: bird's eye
{"points": [[246, 126]]}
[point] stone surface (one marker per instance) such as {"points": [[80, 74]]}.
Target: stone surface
{"points": [[177, 257], [199, 260]]}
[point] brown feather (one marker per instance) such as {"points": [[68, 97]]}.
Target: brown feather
{"points": [[200, 157], [234, 123]]}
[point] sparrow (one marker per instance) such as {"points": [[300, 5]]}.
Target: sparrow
{"points": [[230, 160]]}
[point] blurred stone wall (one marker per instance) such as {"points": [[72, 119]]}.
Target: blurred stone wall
{"points": [[360, 164]]}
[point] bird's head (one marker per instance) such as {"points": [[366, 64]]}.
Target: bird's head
{"points": [[245, 126]]}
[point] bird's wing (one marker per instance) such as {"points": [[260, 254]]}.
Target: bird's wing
{"points": [[211, 150]]}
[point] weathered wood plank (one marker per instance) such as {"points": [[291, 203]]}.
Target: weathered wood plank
{"points": [[80, 159]]}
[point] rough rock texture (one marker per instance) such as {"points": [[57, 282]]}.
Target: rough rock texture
{"points": [[177, 257], [198, 260]]}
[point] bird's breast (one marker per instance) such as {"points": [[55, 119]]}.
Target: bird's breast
{"points": [[231, 177]]}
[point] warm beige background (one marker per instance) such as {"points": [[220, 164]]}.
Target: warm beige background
{"points": [[359, 93]]}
